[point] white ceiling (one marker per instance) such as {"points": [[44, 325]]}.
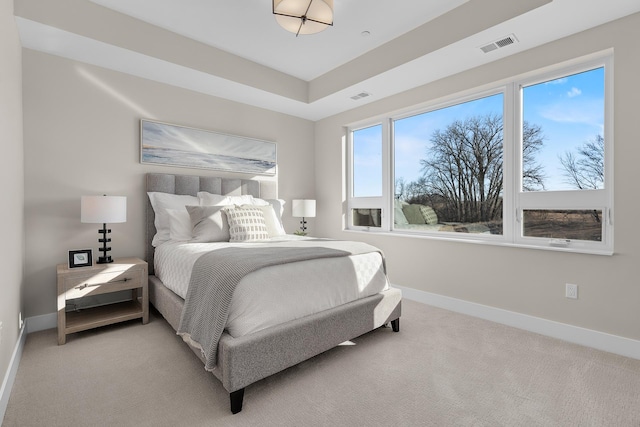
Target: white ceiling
{"points": [[248, 28], [326, 68]]}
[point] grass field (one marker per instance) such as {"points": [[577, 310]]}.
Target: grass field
{"points": [[550, 224]]}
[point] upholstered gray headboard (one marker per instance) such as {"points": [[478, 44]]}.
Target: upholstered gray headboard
{"points": [[190, 185]]}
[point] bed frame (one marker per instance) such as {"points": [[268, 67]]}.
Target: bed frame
{"points": [[245, 360]]}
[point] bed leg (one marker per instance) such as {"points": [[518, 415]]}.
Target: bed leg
{"points": [[395, 325], [235, 397]]}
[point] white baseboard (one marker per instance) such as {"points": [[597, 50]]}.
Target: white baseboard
{"points": [[12, 370], [42, 322], [31, 324], [599, 340]]}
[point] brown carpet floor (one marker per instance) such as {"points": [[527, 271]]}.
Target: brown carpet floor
{"points": [[442, 369]]}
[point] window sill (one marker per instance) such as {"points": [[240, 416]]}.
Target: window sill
{"points": [[491, 240]]}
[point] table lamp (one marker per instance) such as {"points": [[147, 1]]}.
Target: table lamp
{"points": [[303, 208], [102, 210]]}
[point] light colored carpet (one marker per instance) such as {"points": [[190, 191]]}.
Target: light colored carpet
{"points": [[441, 369]]}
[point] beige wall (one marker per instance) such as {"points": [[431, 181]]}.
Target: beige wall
{"points": [[11, 175], [521, 280], [82, 137]]}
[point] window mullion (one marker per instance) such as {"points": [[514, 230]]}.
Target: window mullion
{"points": [[387, 175], [511, 168]]}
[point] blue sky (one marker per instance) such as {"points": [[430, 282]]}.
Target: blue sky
{"points": [[367, 165], [570, 111], [413, 134]]}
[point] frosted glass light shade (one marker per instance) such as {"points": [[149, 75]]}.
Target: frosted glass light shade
{"points": [[303, 208], [103, 209], [303, 16]]}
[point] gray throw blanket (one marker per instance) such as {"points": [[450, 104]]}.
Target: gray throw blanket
{"points": [[216, 274]]}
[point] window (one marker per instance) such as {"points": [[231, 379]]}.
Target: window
{"points": [[563, 122], [367, 162], [448, 163], [563, 225], [367, 177], [564, 197], [526, 163]]}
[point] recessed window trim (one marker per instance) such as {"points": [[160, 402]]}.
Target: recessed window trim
{"points": [[368, 202]]}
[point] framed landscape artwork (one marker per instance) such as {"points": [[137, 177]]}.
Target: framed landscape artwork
{"points": [[173, 145]]}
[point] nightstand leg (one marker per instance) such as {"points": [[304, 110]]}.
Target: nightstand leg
{"points": [[62, 320], [145, 305], [62, 337]]}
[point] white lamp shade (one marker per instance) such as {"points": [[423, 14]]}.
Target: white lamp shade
{"points": [[103, 209], [303, 208], [318, 10]]}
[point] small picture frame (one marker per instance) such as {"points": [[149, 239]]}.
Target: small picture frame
{"points": [[80, 258]]}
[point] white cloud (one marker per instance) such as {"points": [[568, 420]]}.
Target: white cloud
{"points": [[574, 92], [591, 112]]}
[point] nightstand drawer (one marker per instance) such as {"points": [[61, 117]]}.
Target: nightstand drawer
{"points": [[94, 284]]}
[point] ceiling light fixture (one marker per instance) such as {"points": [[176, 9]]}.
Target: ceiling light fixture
{"points": [[304, 16]]}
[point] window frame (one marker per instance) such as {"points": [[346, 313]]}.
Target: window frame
{"points": [[515, 201], [568, 199], [368, 202], [441, 104]]}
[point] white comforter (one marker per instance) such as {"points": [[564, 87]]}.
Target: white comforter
{"points": [[279, 293]]}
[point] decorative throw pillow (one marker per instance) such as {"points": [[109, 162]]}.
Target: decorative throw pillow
{"points": [[274, 226], [246, 223], [208, 224], [161, 202], [398, 215], [429, 215], [413, 214]]}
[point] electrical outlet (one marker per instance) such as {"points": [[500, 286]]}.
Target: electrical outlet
{"points": [[20, 320], [571, 291]]}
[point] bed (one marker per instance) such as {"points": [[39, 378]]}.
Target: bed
{"points": [[244, 358]]}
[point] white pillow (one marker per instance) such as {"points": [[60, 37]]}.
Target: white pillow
{"points": [[246, 224], [208, 224], [179, 225], [161, 202], [278, 208], [209, 199], [274, 226], [257, 201]]}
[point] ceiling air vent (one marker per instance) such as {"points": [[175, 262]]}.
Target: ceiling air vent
{"points": [[360, 96], [505, 41]]}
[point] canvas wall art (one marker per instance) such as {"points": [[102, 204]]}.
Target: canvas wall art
{"points": [[173, 145]]}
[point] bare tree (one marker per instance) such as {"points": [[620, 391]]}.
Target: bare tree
{"points": [[400, 188], [463, 168], [416, 190], [532, 172], [585, 170]]}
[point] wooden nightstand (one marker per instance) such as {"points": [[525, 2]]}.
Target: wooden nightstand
{"points": [[120, 275]]}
